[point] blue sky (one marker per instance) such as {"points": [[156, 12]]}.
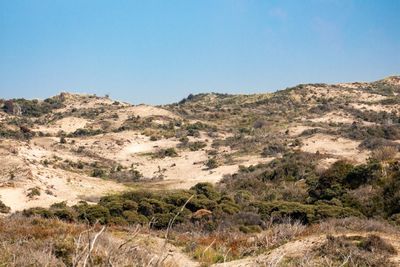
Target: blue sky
{"points": [[160, 51]]}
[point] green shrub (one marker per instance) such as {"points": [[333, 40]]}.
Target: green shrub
{"points": [[161, 220], [42, 212], [323, 211], [391, 195], [130, 205], [85, 132], [279, 210], [97, 172], [36, 108], [331, 183], [194, 146], [4, 208], [132, 217], [206, 189], [363, 174], [93, 214], [167, 152], [65, 214], [32, 192], [145, 208], [212, 163]]}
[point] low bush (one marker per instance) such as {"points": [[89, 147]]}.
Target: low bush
{"points": [[194, 146], [4, 208], [273, 149], [212, 163], [85, 132], [32, 192], [167, 152]]}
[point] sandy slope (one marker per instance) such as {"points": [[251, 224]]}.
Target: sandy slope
{"points": [[301, 247]]}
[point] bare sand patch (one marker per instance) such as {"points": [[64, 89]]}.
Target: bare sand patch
{"points": [[376, 107], [55, 185], [338, 146], [335, 117]]}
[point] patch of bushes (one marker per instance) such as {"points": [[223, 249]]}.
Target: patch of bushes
{"points": [[273, 149], [194, 146], [340, 177], [358, 132], [305, 213], [36, 108], [254, 195], [373, 143], [21, 133]]}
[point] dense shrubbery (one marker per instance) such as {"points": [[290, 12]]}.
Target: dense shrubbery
{"points": [[354, 131], [36, 108], [22, 133], [376, 142], [286, 187]]}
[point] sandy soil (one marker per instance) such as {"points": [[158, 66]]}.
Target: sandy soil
{"points": [[335, 117], [298, 129], [376, 108], [337, 146], [56, 185], [68, 125]]}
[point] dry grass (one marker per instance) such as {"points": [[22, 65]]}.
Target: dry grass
{"points": [[227, 245], [44, 242]]}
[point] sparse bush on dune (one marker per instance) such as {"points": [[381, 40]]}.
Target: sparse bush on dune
{"points": [[167, 152], [212, 163], [85, 132], [4, 208], [33, 191]]}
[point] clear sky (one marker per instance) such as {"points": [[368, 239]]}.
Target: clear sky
{"points": [[158, 52]]}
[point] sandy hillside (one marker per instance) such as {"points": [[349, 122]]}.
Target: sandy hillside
{"points": [[84, 146]]}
